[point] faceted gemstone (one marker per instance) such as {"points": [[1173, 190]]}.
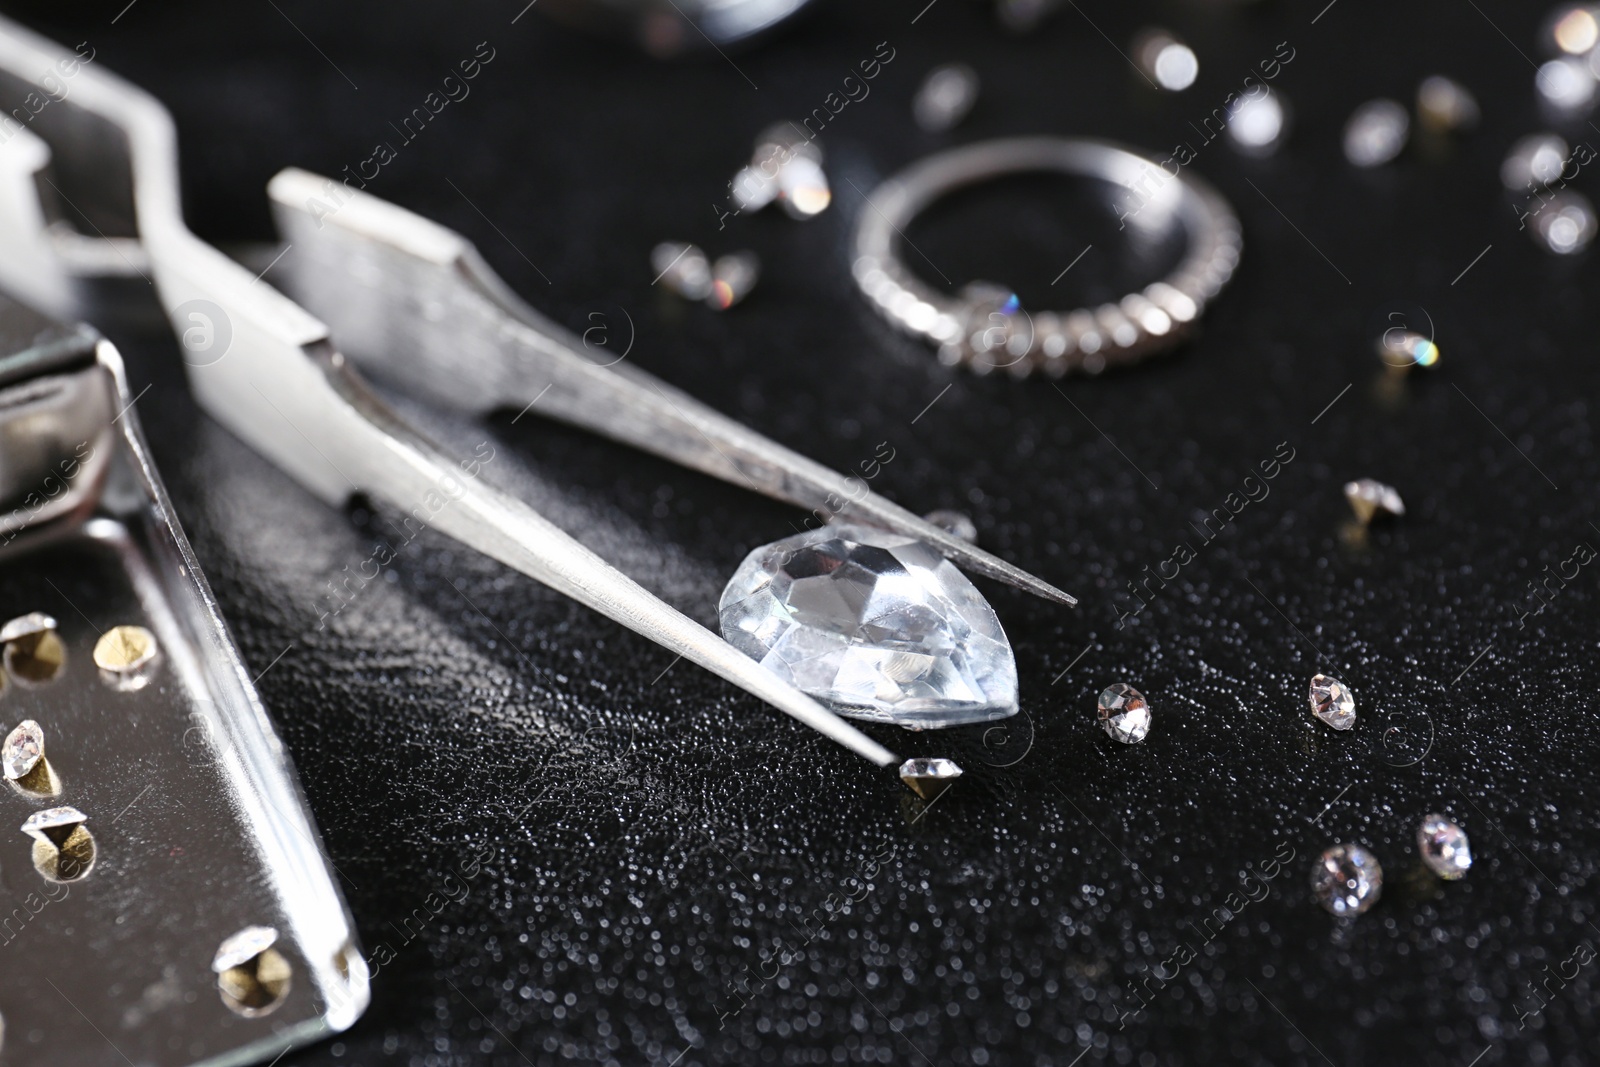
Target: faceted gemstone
{"points": [[30, 625], [243, 946], [1376, 133], [1370, 498], [954, 523], [1332, 702], [875, 624], [1124, 713], [929, 777], [22, 749], [946, 96], [1347, 880], [43, 825], [1444, 847]]}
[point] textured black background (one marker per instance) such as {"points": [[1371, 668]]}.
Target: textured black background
{"points": [[656, 832]]}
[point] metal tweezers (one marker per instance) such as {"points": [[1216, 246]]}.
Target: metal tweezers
{"points": [[416, 300]]}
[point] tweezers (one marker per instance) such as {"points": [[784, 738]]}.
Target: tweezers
{"points": [[417, 300]]}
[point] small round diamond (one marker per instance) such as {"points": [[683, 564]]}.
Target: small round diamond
{"points": [[1565, 223], [22, 749], [1124, 713], [1376, 133], [1332, 702], [1347, 880], [1444, 847]]}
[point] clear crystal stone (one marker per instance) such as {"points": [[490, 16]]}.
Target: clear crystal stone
{"points": [[1332, 702], [22, 749], [1370, 498], [1376, 133], [875, 624], [52, 819], [1444, 847], [1565, 223], [243, 947], [946, 96], [682, 268], [1537, 159], [1347, 879], [929, 777], [954, 523], [1124, 713], [29, 625]]}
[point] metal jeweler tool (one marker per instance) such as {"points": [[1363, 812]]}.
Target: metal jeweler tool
{"points": [[175, 819], [281, 385]]}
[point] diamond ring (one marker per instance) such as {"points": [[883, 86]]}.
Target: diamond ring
{"points": [[983, 327]]}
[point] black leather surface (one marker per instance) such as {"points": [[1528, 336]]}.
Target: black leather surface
{"points": [[678, 875]]}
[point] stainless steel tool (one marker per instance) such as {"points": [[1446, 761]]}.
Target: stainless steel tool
{"points": [[169, 835], [269, 371]]}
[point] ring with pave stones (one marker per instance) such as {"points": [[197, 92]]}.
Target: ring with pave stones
{"points": [[983, 327]]}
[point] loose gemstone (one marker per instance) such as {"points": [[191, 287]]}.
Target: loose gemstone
{"points": [[1572, 29], [1445, 105], [1257, 124], [954, 523], [1124, 713], [1376, 133], [40, 824], [946, 96], [32, 624], [1566, 84], [1537, 159], [1444, 847], [243, 947], [929, 777], [1332, 702], [803, 187], [22, 750], [875, 624], [1565, 223], [1370, 498], [682, 268], [1165, 60], [732, 278], [1347, 880]]}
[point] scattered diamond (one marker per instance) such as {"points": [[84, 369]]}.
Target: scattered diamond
{"points": [[1332, 702], [22, 750], [1537, 159], [1572, 29], [682, 268], [1565, 223], [1165, 60], [1566, 84], [1445, 105], [803, 187], [946, 97], [1376, 133], [30, 625], [1404, 349], [1347, 880], [40, 824], [875, 624], [929, 777], [1371, 499], [732, 278], [243, 947], [1124, 713], [1444, 847], [1258, 124], [955, 523]]}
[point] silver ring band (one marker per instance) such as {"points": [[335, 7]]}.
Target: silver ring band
{"points": [[983, 327]]}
